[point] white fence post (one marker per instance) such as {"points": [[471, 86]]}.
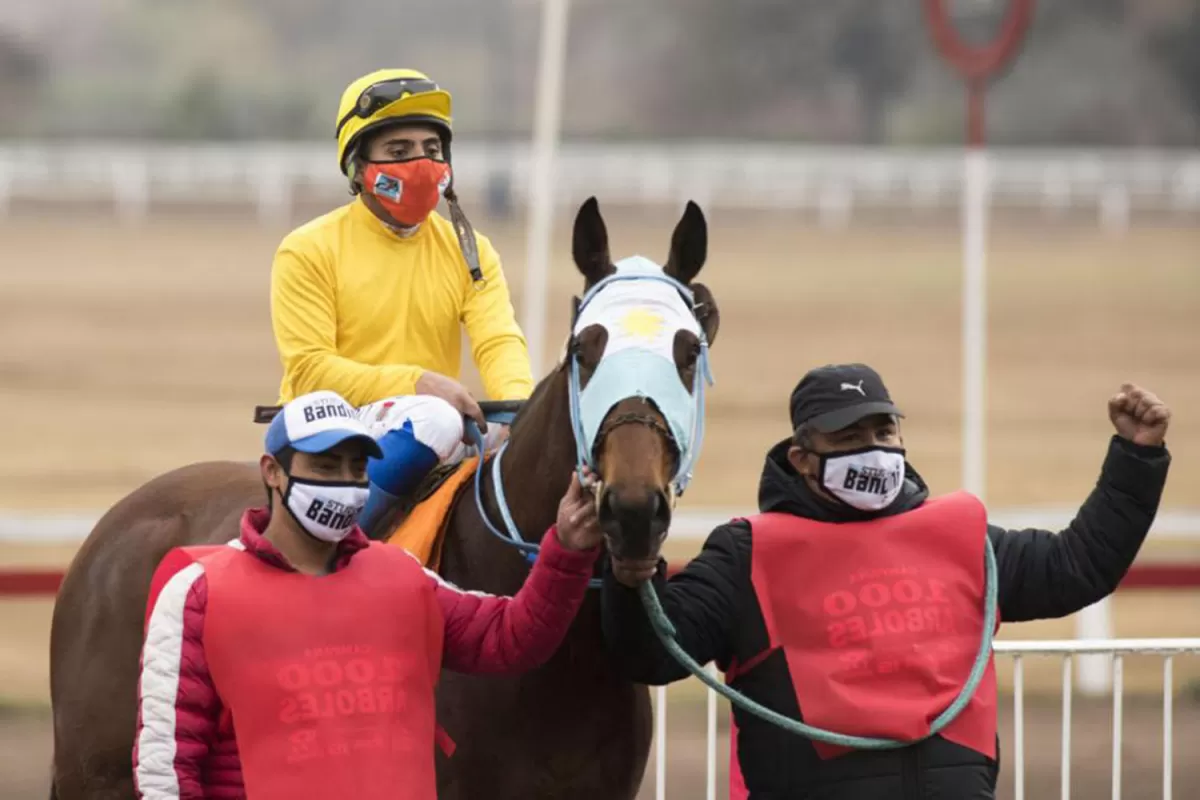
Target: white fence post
{"points": [[660, 743], [5, 186], [274, 185], [976, 205], [131, 187], [836, 204], [1114, 209], [1095, 671]]}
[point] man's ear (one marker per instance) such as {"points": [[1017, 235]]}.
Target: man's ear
{"points": [[797, 458], [272, 472], [354, 170]]}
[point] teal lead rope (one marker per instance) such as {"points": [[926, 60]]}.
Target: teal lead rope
{"points": [[666, 634]]}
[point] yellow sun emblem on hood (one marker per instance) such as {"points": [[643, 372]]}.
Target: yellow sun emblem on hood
{"points": [[640, 323]]}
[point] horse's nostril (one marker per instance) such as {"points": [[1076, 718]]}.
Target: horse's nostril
{"points": [[608, 505], [662, 508], [622, 505], [635, 520], [655, 505]]}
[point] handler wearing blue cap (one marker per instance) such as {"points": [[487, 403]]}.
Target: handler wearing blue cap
{"points": [[300, 659], [316, 461]]}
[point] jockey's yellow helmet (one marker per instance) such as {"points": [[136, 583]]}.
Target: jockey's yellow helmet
{"points": [[385, 97]]}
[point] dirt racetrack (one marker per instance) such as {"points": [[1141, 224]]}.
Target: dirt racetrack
{"points": [[127, 351]]}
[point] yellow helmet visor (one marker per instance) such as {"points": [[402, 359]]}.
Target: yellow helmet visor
{"points": [[377, 96]]}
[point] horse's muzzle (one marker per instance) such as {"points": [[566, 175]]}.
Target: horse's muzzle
{"points": [[634, 520]]}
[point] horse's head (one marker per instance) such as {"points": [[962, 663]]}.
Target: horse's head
{"points": [[638, 358]]}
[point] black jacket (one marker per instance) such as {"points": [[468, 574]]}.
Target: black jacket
{"points": [[716, 613]]}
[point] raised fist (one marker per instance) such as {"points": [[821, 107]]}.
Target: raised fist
{"points": [[1138, 415]]}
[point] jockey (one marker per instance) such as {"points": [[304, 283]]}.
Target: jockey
{"points": [[370, 299], [300, 659], [855, 602]]}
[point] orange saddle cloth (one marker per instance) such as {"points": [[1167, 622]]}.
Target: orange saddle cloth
{"points": [[423, 530]]}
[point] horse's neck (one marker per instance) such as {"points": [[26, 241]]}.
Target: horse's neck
{"points": [[536, 471], [537, 464]]}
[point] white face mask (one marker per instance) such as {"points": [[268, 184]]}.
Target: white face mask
{"points": [[326, 510], [869, 479]]}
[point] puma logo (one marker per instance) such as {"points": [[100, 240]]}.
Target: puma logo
{"points": [[855, 387]]}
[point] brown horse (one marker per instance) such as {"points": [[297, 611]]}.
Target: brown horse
{"points": [[571, 728]]}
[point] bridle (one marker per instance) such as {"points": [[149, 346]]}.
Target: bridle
{"points": [[686, 452], [634, 418]]}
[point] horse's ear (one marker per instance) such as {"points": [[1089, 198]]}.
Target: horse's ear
{"points": [[589, 243], [689, 245], [707, 313]]}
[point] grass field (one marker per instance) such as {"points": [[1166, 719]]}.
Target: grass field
{"points": [[126, 352]]}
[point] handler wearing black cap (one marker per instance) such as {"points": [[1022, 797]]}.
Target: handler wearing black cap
{"points": [[855, 602]]}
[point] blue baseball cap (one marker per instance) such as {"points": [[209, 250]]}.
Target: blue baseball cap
{"points": [[316, 422]]}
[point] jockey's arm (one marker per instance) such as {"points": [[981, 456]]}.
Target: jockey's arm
{"points": [[1045, 575], [304, 319], [497, 344], [702, 603]]}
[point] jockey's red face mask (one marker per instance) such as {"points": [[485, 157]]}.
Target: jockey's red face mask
{"points": [[407, 190]]}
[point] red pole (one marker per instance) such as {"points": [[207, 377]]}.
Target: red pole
{"points": [[976, 122], [978, 64]]}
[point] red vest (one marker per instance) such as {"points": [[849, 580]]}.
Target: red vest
{"points": [[880, 621], [329, 679]]}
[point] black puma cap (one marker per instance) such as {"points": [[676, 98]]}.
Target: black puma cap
{"points": [[836, 396]]}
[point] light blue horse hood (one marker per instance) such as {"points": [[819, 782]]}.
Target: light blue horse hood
{"points": [[642, 309]]}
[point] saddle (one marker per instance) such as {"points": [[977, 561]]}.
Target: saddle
{"points": [[418, 521]]}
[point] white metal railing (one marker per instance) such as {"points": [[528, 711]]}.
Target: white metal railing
{"points": [[829, 180], [1116, 649]]}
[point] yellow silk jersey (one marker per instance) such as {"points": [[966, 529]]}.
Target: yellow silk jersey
{"points": [[362, 311]]}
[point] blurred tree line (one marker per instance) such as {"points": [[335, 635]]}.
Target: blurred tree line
{"points": [[1093, 72]]}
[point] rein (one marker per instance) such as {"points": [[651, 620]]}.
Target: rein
{"points": [[513, 536], [665, 631]]}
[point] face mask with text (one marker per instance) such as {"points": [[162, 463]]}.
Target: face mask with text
{"points": [[326, 510], [868, 479]]}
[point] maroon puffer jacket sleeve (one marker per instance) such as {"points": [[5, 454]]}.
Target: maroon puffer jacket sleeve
{"points": [[486, 633], [178, 709]]}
